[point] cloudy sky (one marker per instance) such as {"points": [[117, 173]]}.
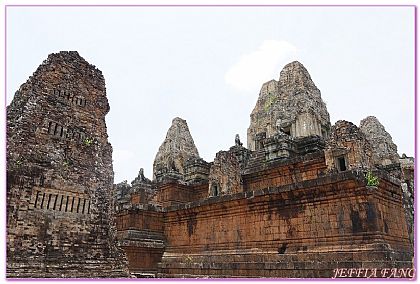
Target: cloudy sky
{"points": [[207, 64]]}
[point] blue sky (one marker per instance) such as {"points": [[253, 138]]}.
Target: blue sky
{"points": [[207, 65]]}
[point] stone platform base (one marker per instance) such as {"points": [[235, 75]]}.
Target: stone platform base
{"points": [[274, 264]]}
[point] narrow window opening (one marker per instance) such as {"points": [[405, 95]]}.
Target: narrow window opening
{"points": [[67, 204], [55, 201], [49, 126], [36, 198], [342, 164], [55, 129], [88, 207], [42, 202], [84, 203], [49, 200], [215, 189]]}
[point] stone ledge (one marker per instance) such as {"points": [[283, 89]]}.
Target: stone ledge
{"points": [[356, 175]]}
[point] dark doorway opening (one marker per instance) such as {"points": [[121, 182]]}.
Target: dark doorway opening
{"points": [[214, 189], [342, 164]]}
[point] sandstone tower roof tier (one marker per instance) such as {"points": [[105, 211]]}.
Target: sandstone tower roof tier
{"points": [[60, 176], [292, 105], [176, 149], [385, 151]]}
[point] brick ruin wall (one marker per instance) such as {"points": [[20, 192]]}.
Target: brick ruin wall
{"points": [[293, 220], [60, 213], [141, 232], [287, 232]]}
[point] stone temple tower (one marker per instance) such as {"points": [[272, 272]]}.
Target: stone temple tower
{"points": [[177, 148], [292, 105], [60, 219]]}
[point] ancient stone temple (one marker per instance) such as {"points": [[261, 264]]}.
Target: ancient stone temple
{"points": [[60, 208], [303, 199]]}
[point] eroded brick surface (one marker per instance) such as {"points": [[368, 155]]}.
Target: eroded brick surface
{"points": [[60, 217], [347, 148]]}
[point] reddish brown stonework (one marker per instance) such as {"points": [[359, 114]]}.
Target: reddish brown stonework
{"points": [[407, 185], [347, 148], [140, 230], [305, 229], [60, 217], [294, 205], [225, 174]]}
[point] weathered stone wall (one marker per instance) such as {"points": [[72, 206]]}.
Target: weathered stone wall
{"points": [[173, 192], [407, 185], [60, 220], [284, 172], [141, 191], [385, 151], [196, 170], [225, 174], [348, 144], [304, 229], [293, 220], [140, 234], [292, 105]]}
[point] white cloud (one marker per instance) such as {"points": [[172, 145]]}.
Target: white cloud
{"points": [[255, 68]]}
